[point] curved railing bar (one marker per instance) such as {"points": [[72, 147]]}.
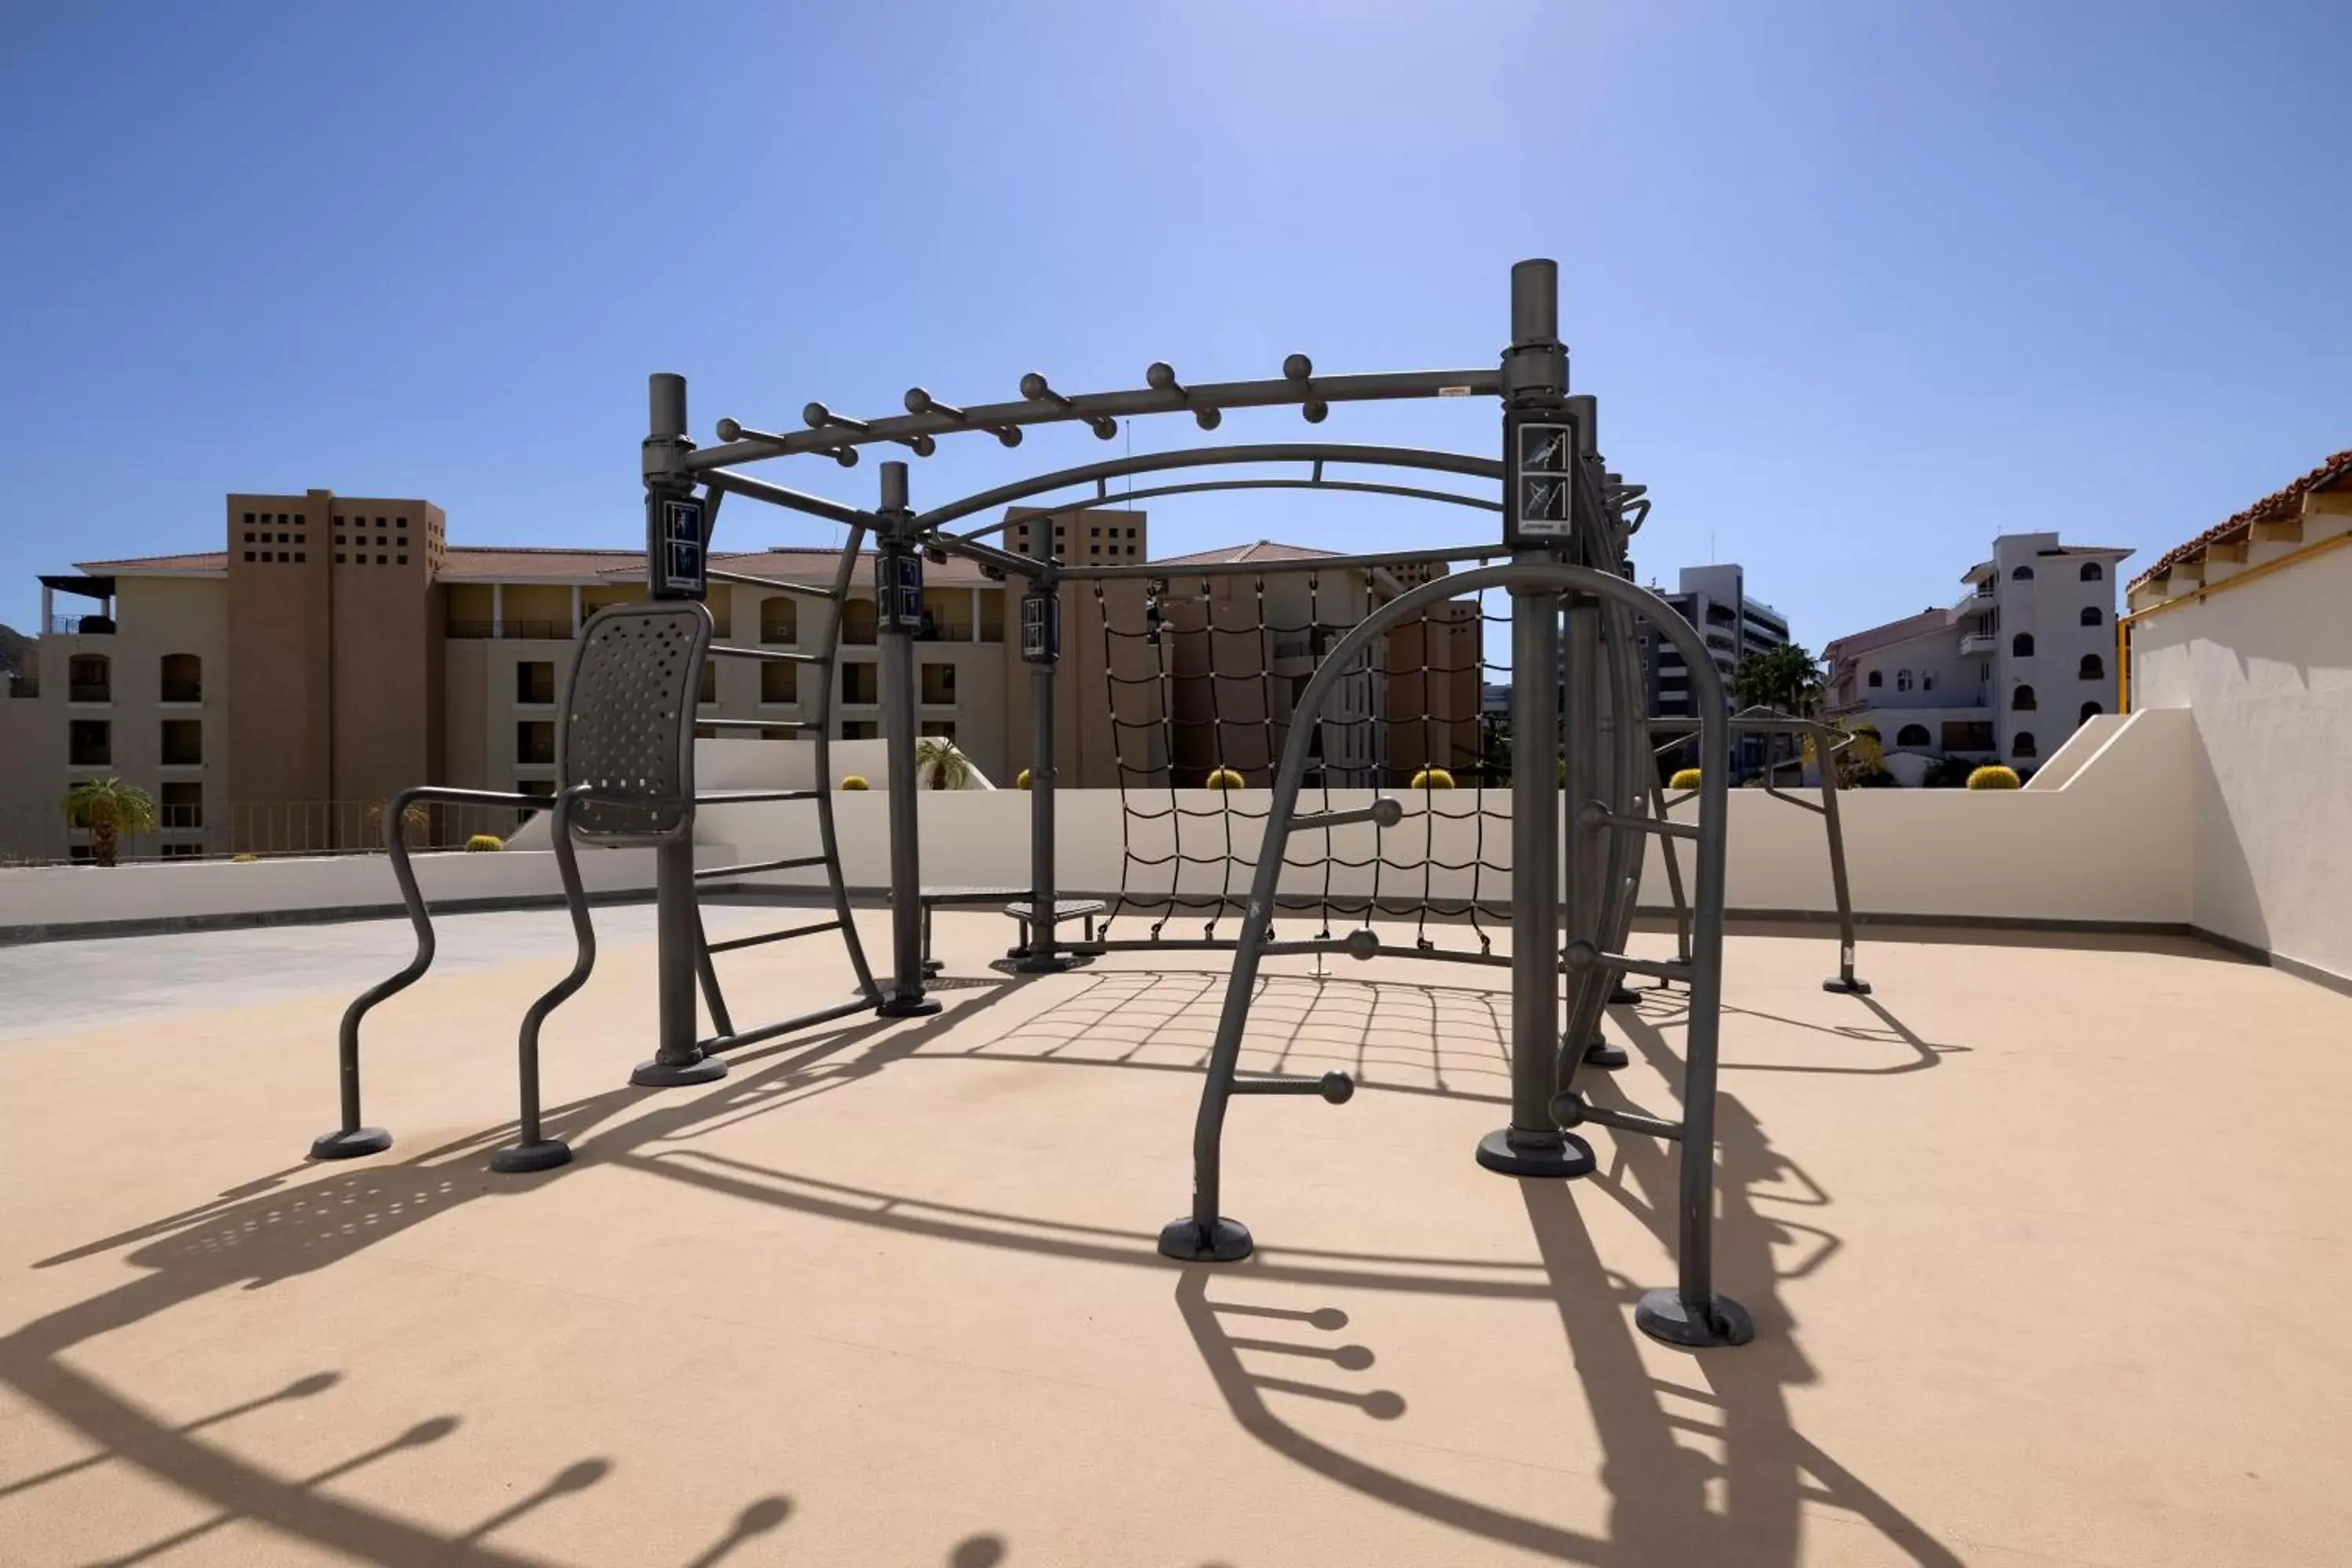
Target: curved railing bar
{"points": [[1364, 487], [828, 836], [1690, 1312], [1089, 406], [1204, 457], [352, 1139]]}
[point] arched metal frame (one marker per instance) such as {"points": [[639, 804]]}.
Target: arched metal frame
{"points": [[1601, 685], [1692, 1304]]}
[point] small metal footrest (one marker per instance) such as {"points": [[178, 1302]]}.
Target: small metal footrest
{"points": [[1336, 1087]]}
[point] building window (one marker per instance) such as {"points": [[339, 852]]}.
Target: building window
{"points": [[858, 621], [2022, 744], [89, 679], [2021, 700], [183, 678], [2090, 711], [780, 682], [2021, 645], [938, 683], [1926, 680], [2092, 667], [183, 803], [2093, 572], [1876, 680], [943, 728], [1912, 735], [184, 743], [860, 683], [707, 693], [2022, 575], [535, 743], [1902, 680], [860, 730], [2091, 615], [780, 620], [535, 681], [1967, 735], [89, 743]]}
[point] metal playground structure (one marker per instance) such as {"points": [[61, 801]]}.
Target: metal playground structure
{"points": [[1580, 780]]}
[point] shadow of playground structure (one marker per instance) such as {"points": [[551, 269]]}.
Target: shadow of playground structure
{"points": [[266, 1232]]}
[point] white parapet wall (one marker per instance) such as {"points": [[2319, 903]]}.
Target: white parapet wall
{"points": [[2108, 846]]}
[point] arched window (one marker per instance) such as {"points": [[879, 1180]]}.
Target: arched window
{"points": [[1912, 735], [780, 619], [183, 678], [2092, 616], [2022, 575], [2022, 744], [1902, 680], [90, 678], [2094, 572], [2021, 700], [2094, 668], [1876, 680], [2090, 711], [2021, 645], [858, 621]]}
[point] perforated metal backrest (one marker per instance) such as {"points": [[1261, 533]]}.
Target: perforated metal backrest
{"points": [[628, 719]]}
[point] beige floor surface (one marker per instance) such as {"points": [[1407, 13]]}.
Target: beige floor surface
{"points": [[888, 1295]]}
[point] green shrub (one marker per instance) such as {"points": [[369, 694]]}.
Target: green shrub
{"points": [[1432, 778], [485, 843], [1685, 778], [244, 859], [1992, 775], [1225, 778], [855, 780]]}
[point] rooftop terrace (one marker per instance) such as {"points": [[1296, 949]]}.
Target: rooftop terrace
{"points": [[840, 1308]]}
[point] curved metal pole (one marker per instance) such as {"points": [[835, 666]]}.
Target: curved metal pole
{"points": [[828, 836], [1204, 457], [1362, 487], [1688, 1313], [534, 1151], [351, 1141]]}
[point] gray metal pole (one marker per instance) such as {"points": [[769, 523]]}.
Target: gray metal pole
{"points": [[1040, 956], [1535, 377], [898, 679], [678, 1056]]}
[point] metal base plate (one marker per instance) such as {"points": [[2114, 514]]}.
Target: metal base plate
{"points": [[351, 1145], [1601, 1054], [1228, 1241], [660, 1074], [1043, 963], [1838, 985], [907, 1008], [543, 1156], [1664, 1316], [1497, 1153]]}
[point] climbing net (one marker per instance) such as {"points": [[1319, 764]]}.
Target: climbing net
{"points": [[1201, 675]]}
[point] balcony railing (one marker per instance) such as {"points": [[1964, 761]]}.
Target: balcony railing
{"points": [[82, 625], [1978, 642], [530, 631], [24, 686], [89, 691]]}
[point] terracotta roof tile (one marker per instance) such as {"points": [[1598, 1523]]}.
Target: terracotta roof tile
{"points": [[2271, 508], [1909, 627], [1258, 550], [214, 561]]}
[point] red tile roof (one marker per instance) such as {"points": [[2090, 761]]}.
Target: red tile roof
{"points": [[1909, 627], [2271, 508], [216, 561], [1258, 550]]}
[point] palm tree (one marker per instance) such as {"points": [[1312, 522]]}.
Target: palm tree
{"points": [[1788, 679], [108, 808], [940, 765]]}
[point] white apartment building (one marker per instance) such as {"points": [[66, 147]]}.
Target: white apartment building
{"points": [[1714, 599], [2007, 674]]}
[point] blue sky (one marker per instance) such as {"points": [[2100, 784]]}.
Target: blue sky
{"points": [[1858, 285]]}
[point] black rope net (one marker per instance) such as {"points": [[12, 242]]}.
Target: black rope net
{"points": [[1201, 675]]}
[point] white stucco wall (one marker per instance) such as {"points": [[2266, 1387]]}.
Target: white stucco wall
{"points": [[2264, 670]]}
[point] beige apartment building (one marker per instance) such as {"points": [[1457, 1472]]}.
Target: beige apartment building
{"points": [[272, 694]]}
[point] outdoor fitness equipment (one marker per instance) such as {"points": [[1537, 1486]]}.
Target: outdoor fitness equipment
{"points": [[1574, 621]]}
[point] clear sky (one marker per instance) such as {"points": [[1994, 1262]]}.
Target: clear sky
{"points": [[1859, 284]]}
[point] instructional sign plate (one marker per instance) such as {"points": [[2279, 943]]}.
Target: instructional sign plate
{"points": [[1543, 479]]}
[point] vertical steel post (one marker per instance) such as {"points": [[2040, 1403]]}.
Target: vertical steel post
{"points": [[898, 678], [677, 1055], [1842, 983], [1039, 956], [1535, 379]]}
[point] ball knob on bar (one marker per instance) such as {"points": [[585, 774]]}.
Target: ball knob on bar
{"points": [[729, 430], [1038, 389], [920, 402]]}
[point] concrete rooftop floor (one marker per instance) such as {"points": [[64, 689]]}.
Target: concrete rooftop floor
{"points": [[887, 1294]]}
